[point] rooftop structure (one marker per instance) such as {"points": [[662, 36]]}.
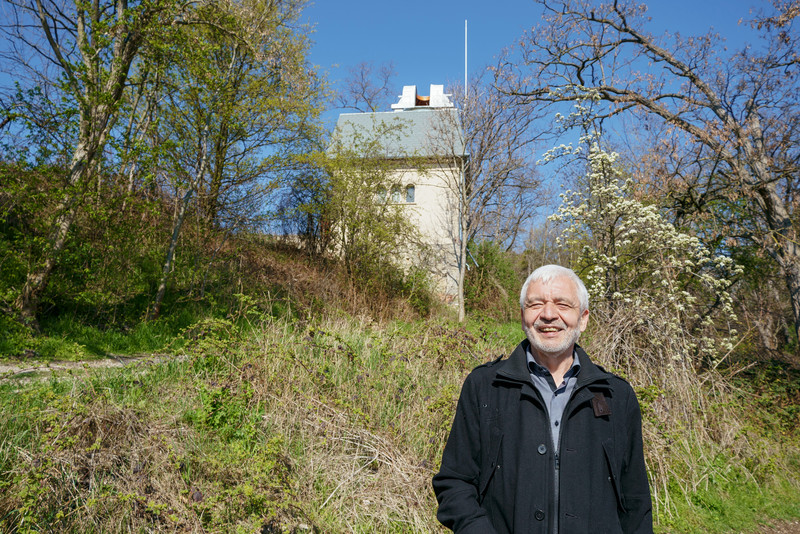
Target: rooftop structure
{"points": [[411, 100], [425, 126]]}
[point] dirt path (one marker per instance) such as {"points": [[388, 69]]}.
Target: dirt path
{"points": [[784, 527], [27, 370]]}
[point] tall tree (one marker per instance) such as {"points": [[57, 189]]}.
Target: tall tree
{"points": [[92, 46], [239, 103], [732, 119]]}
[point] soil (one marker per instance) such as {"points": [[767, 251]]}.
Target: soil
{"points": [[784, 527]]}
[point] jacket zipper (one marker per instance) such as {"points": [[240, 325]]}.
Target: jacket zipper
{"points": [[556, 480], [557, 462]]}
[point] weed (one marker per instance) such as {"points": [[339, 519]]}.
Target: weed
{"points": [[337, 425]]}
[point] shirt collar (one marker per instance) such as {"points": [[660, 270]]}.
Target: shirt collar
{"points": [[540, 370]]}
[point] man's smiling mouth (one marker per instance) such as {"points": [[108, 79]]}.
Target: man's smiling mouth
{"points": [[549, 329]]}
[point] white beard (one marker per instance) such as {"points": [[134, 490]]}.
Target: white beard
{"points": [[554, 347]]}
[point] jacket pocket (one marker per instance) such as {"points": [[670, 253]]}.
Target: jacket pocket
{"points": [[614, 473], [492, 465]]}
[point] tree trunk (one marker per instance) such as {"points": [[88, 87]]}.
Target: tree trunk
{"points": [[36, 281], [96, 121], [781, 240], [462, 267], [211, 199], [173, 245], [792, 277], [180, 215], [462, 250]]}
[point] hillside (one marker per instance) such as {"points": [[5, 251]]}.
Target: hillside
{"points": [[311, 406]]}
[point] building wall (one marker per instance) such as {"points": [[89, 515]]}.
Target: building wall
{"points": [[424, 129], [435, 213]]}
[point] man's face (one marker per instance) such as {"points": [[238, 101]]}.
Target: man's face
{"points": [[552, 318]]}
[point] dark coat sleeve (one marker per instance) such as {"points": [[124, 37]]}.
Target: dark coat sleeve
{"points": [[638, 515], [456, 484]]}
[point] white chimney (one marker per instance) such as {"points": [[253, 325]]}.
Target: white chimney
{"points": [[408, 99], [438, 98]]}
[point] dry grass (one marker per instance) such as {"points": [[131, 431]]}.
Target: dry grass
{"points": [[371, 415], [335, 425], [700, 431]]}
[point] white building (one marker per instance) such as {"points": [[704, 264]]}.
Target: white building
{"points": [[426, 140]]}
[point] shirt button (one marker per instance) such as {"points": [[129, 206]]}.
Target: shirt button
{"points": [[556, 423], [539, 515], [542, 449]]}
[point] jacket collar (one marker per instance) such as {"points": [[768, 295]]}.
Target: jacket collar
{"points": [[516, 367]]}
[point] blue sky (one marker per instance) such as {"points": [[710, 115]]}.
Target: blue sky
{"points": [[425, 39]]}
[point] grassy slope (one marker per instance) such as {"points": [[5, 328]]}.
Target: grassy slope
{"points": [[307, 405], [334, 425]]}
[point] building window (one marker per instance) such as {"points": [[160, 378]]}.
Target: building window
{"points": [[410, 192], [380, 195], [397, 196]]}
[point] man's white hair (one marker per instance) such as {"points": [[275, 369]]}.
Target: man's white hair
{"points": [[545, 274]]}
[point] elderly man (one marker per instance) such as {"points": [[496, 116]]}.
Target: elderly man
{"points": [[546, 441]]}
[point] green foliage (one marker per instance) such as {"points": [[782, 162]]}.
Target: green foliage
{"points": [[14, 336], [369, 230], [28, 194], [287, 426], [759, 303], [491, 287], [340, 207], [416, 288], [729, 503]]}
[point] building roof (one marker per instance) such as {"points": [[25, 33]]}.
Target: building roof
{"points": [[419, 132]]}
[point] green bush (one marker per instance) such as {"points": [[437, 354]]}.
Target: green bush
{"points": [[493, 281]]}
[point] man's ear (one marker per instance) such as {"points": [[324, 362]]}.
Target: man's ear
{"points": [[584, 320]]}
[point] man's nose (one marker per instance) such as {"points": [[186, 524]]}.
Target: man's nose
{"points": [[549, 311]]}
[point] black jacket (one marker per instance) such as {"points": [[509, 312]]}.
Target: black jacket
{"points": [[499, 473]]}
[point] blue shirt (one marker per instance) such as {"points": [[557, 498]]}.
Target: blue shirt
{"points": [[554, 397]]}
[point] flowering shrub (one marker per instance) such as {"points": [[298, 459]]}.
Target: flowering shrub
{"points": [[632, 259]]}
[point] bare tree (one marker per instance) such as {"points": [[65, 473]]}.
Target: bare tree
{"points": [[367, 88], [731, 121], [492, 179]]}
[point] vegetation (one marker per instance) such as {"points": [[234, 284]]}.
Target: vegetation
{"points": [[264, 421], [306, 383], [713, 131], [284, 397]]}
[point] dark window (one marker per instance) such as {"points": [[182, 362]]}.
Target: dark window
{"points": [[410, 192]]}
